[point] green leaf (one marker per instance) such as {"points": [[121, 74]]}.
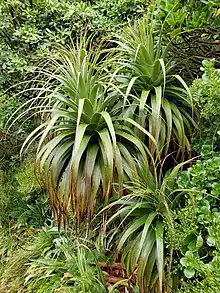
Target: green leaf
{"points": [[160, 252], [211, 241], [132, 228], [189, 272], [144, 233], [199, 242], [144, 258]]}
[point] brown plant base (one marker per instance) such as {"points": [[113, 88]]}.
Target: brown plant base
{"points": [[116, 274]]}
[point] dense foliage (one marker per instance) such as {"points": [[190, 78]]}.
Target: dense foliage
{"points": [[114, 108], [192, 27], [22, 201], [31, 27], [197, 223], [206, 96]]}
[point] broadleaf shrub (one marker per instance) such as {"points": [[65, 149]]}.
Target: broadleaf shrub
{"points": [[206, 94], [197, 223]]}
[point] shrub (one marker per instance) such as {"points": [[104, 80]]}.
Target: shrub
{"points": [[197, 222], [30, 27], [206, 93]]}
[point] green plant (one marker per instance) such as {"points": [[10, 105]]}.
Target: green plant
{"points": [[158, 100], [13, 257], [147, 208], [30, 27], [188, 14], [29, 31], [47, 261], [196, 221], [100, 112], [118, 11], [64, 265], [192, 28], [205, 91], [209, 272], [84, 146], [22, 200]]}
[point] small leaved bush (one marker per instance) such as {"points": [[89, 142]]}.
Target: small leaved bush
{"points": [[189, 14], [197, 223], [208, 277], [206, 94], [30, 27]]}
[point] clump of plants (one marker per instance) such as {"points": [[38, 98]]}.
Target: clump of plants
{"points": [[102, 112], [114, 131], [63, 265], [193, 28]]}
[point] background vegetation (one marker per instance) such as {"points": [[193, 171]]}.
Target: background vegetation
{"points": [[140, 127]]}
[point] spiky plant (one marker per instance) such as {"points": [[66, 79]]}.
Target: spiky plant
{"points": [[84, 145], [160, 100], [146, 210]]}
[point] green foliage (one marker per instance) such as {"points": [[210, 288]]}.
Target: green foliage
{"points": [[6, 196], [90, 147], [206, 93], [189, 14], [13, 258], [102, 113], [159, 100], [65, 266], [116, 12], [147, 208], [30, 27], [192, 28], [49, 261], [8, 106], [29, 30], [21, 197], [184, 224], [197, 223], [210, 273], [103, 110], [203, 177]]}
